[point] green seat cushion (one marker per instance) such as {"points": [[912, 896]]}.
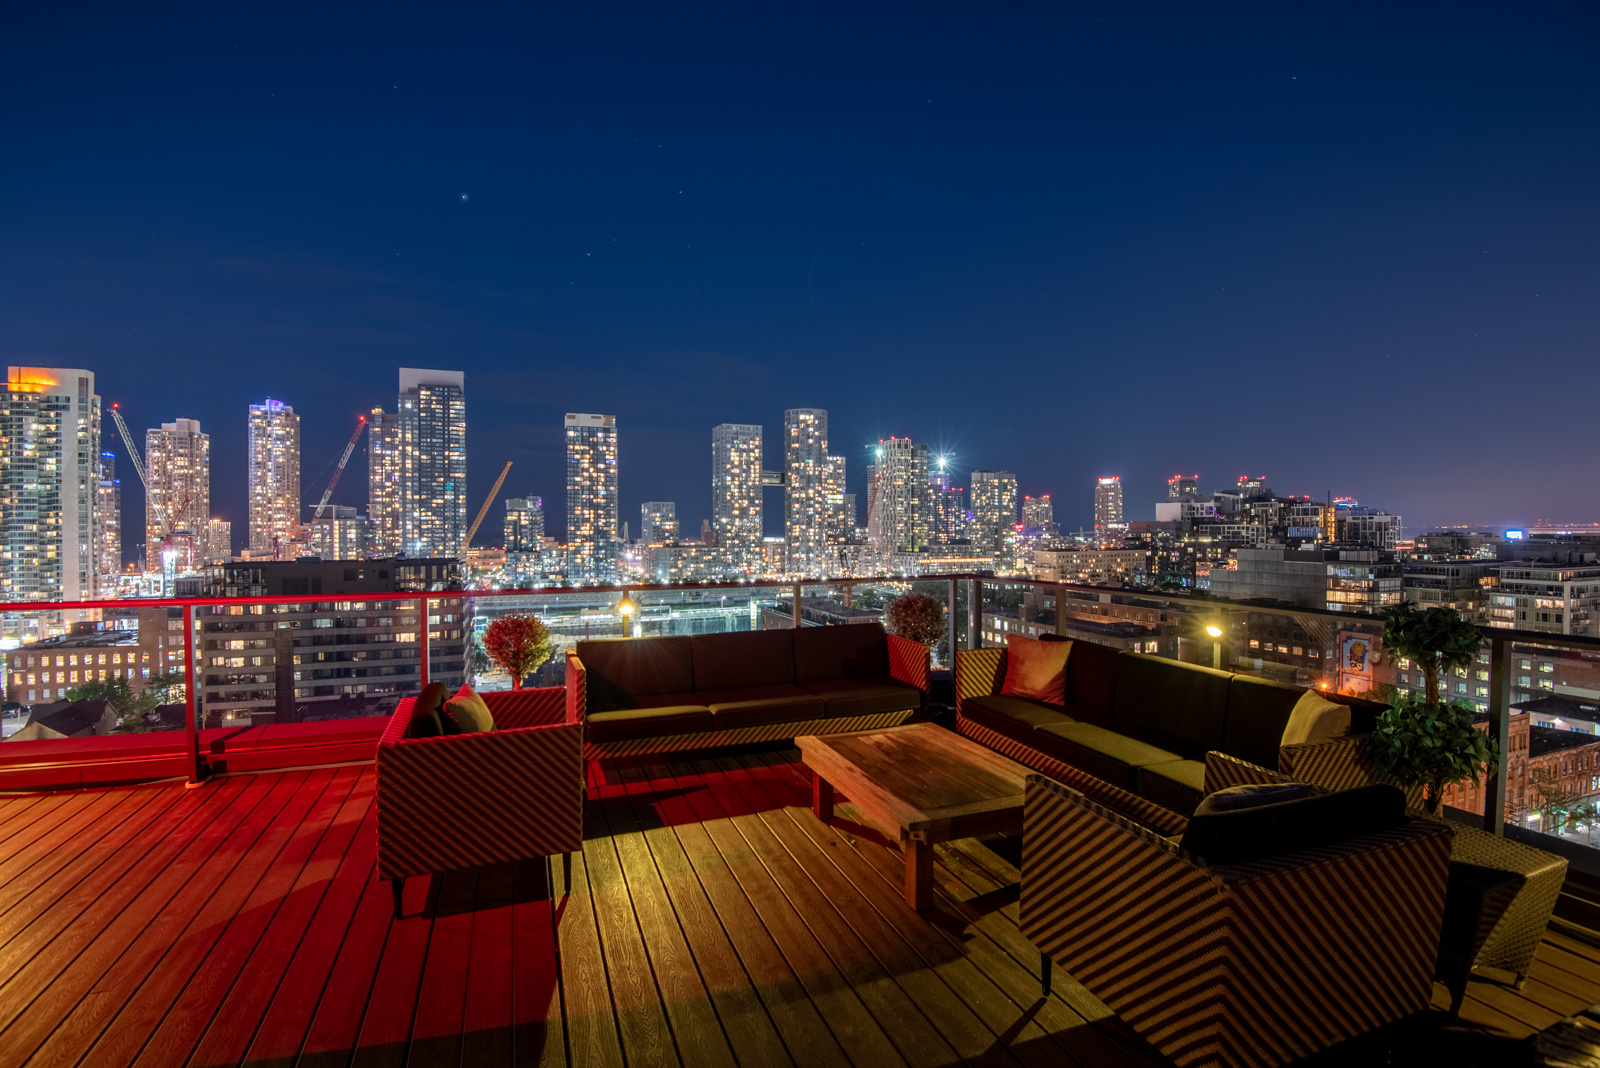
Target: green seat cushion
{"points": [[755, 706], [865, 696], [1105, 754], [1177, 786], [626, 724], [466, 713], [1014, 717], [1258, 710], [850, 651], [1158, 696]]}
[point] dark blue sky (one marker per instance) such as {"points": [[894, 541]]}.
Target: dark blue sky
{"points": [[1354, 248]]}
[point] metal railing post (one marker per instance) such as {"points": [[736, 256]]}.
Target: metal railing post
{"points": [[422, 648], [950, 614], [797, 606], [190, 704], [974, 614], [1061, 610], [1494, 786]]}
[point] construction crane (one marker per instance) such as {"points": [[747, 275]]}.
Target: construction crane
{"points": [[487, 501], [361, 424]]}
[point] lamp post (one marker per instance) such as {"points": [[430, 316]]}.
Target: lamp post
{"points": [[1216, 644], [626, 608]]}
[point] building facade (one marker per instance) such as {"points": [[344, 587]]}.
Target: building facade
{"points": [[1546, 596], [805, 497], [1183, 488], [524, 524], [177, 465], [1038, 514], [385, 483], [994, 516], [108, 521], [736, 518], [341, 532], [433, 451], [274, 479], [902, 512], [591, 498], [1108, 506], [658, 523]]}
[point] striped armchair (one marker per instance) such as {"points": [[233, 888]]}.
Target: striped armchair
{"points": [[470, 800], [1252, 964]]}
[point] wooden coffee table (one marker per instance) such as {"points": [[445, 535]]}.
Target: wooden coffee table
{"points": [[928, 784]]}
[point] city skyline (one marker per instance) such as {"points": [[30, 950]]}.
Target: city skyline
{"points": [[911, 235]]}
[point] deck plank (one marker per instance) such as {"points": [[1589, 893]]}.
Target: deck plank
{"points": [[487, 1013], [538, 1031], [593, 1038], [441, 998], [73, 828]]}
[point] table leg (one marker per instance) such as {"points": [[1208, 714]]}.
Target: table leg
{"points": [[821, 797], [919, 874]]}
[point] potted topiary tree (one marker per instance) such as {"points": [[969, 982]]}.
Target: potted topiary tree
{"points": [[518, 644], [916, 616], [1423, 741]]}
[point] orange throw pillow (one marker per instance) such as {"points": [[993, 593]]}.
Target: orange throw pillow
{"points": [[1036, 669]]}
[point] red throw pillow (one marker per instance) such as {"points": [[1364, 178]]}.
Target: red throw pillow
{"points": [[1036, 669]]}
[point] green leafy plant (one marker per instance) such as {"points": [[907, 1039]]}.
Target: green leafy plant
{"points": [[518, 644], [132, 709], [1432, 639], [1432, 745], [916, 616]]}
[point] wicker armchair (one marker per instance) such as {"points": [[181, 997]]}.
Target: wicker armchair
{"points": [[470, 800], [1247, 964]]}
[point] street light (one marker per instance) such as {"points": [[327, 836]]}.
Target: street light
{"points": [[1216, 644], [626, 608]]}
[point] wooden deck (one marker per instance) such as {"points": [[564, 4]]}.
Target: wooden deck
{"points": [[712, 921]]}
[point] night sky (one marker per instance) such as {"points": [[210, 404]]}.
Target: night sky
{"points": [[1353, 249]]}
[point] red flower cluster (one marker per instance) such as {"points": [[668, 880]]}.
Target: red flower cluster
{"points": [[518, 644], [916, 616]]}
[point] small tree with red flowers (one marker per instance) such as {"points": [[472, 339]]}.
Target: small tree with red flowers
{"points": [[916, 616], [518, 644]]}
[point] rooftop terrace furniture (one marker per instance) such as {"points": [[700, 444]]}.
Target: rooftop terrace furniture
{"points": [[647, 695], [1135, 729], [1250, 964], [470, 800], [920, 781]]}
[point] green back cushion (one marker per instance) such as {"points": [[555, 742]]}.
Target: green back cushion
{"points": [[1091, 673], [851, 651], [1258, 710], [620, 669], [739, 660], [1288, 826], [466, 713], [425, 712], [1160, 697]]}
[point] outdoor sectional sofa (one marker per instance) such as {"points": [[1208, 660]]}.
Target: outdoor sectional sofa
{"points": [[1135, 729], [645, 695]]}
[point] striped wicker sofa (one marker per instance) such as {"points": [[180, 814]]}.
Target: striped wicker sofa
{"points": [[647, 695], [1249, 964], [1135, 729], [470, 800]]}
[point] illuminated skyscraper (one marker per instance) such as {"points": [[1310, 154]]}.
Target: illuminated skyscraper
{"points": [[177, 466], [274, 480], [1039, 514], [902, 508], [736, 494], [1108, 506], [949, 506], [592, 498], [524, 524], [841, 521], [994, 516], [658, 523], [385, 483], [216, 544], [49, 488], [108, 519], [433, 452], [805, 505], [1183, 488]]}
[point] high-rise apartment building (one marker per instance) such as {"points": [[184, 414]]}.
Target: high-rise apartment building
{"points": [[177, 467], [805, 504], [591, 497], [385, 483], [274, 479], [340, 532], [216, 544], [433, 446], [736, 458], [949, 507], [658, 523], [1108, 506], [49, 487], [840, 525], [1183, 488], [108, 521], [903, 510], [524, 524], [1039, 514], [1367, 526], [994, 516]]}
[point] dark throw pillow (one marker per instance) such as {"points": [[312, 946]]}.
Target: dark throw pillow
{"points": [[466, 713], [1252, 795], [1280, 827], [425, 722]]}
